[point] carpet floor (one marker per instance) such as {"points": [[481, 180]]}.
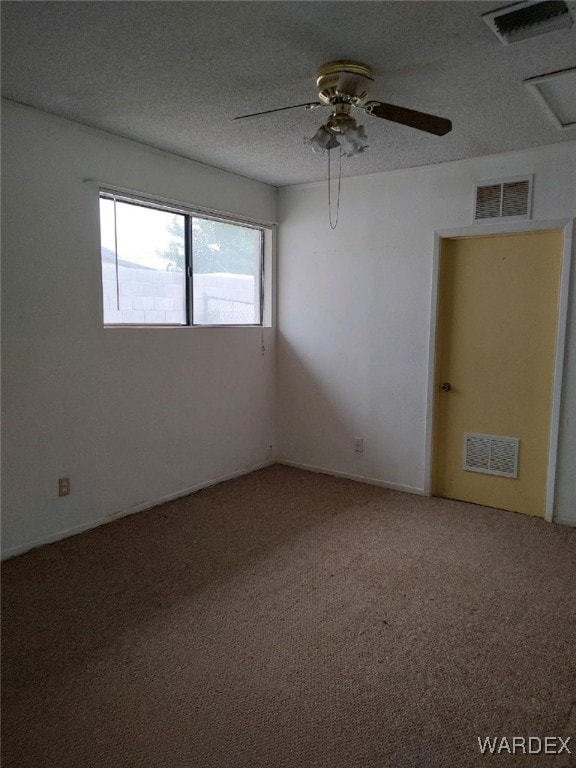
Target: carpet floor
{"points": [[290, 619]]}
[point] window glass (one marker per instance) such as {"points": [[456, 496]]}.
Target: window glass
{"points": [[165, 266], [227, 268], [143, 264]]}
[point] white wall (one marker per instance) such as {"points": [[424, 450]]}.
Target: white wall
{"points": [[130, 415], [354, 313]]}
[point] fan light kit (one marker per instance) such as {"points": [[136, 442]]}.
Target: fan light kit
{"points": [[343, 86]]}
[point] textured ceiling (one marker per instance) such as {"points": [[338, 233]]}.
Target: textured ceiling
{"points": [[173, 74]]}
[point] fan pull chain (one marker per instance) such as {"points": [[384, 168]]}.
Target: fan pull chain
{"points": [[335, 224]]}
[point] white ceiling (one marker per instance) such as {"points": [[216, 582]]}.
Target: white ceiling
{"points": [[173, 74]]}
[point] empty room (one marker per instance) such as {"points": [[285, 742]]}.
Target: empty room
{"points": [[288, 384]]}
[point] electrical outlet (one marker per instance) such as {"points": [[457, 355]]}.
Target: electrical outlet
{"points": [[359, 444], [63, 486]]}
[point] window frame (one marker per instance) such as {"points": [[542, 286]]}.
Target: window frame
{"points": [[190, 213]]}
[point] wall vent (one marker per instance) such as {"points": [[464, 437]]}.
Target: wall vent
{"points": [[491, 455], [509, 199], [524, 20]]}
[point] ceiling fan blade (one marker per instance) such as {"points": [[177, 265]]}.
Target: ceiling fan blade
{"points": [[439, 126], [308, 105]]}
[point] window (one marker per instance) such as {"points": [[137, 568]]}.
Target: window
{"points": [[165, 266]]}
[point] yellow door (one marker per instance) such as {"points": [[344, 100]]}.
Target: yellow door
{"points": [[497, 331]]}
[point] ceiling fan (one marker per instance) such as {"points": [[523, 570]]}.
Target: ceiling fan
{"points": [[343, 86]]}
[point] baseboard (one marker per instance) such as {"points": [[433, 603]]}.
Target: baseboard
{"points": [[565, 521], [20, 549], [357, 478]]}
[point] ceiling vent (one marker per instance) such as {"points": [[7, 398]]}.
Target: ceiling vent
{"points": [[556, 94], [522, 21], [509, 199]]}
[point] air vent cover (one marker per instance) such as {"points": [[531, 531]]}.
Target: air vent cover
{"points": [[556, 94], [521, 21], [491, 455], [509, 199]]}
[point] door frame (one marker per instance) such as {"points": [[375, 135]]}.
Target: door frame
{"points": [[503, 228]]}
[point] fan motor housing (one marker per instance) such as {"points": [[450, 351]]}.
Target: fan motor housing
{"points": [[328, 78]]}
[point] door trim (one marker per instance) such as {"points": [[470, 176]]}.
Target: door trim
{"points": [[501, 228]]}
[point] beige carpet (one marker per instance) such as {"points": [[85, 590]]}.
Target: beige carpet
{"points": [[291, 619]]}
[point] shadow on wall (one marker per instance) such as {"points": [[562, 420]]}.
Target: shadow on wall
{"points": [[315, 427], [325, 403]]}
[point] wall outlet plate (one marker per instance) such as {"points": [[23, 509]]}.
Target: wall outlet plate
{"points": [[359, 444], [63, 486]]}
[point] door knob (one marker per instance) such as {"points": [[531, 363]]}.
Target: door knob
{"points": [[446, 386]]}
